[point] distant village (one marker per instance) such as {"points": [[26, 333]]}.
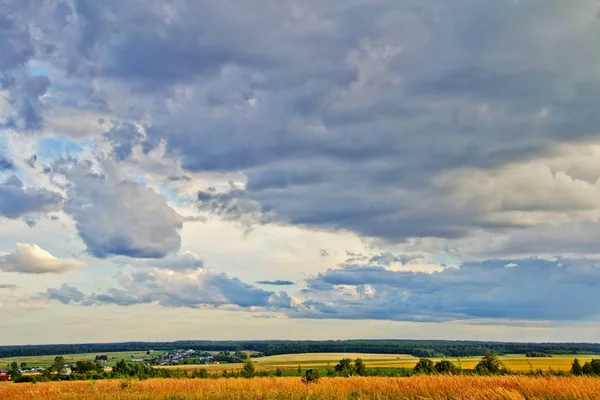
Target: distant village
{"points": [[174, 357]]}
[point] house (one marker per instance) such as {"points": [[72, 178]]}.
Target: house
{"points": [[4, 377]]}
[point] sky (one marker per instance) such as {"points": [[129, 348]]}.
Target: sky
{"points": [[289, 169]]}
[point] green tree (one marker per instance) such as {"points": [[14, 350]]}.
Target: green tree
{"points": [[14, 371], [587, 369], [23, 365], [248, 369], [595, 366], [359, 367], [200, 373], [576, 367], [446, 367], [278, 372], [424, 366], [58, 365], [87, 366], [299, 369], [490, 364], [345, 367]]}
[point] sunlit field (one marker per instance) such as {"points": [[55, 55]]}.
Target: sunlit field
{"points": [[419, 387], [515, 363]]}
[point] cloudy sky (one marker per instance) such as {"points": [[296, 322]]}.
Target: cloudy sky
{"points": [[299, 169]]}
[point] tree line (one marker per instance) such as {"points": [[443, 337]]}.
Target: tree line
{"points": [[417, 348], [588, 368], [490, 364]]}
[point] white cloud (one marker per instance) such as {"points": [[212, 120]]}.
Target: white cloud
{"points": [[32, 259], [116, 215]]}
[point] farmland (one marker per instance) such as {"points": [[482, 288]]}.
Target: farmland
{"points": [[46, 360], [419, 387], [515, 362]]}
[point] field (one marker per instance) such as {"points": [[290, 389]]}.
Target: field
{"points": [[45, 361], [420, 387], [516, 362]]}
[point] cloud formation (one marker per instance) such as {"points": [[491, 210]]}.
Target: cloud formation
{"points": [[277, 282], [435, 130], [24, 89], [350, 134], [182, 260], [32, 259], [65, 294], [17, 200], [169, 288], [5, 163], [116, 215], [523, 289]]}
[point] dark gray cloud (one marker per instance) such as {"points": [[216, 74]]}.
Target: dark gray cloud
{"points": [[17, 201], [277, 282], [31, 161], [66, 294], [521, 289], [123, 137], [178, 289], [117, 216], [341, 115], [5, 163], [182, 260], [17, 48]]}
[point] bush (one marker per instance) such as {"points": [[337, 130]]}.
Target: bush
{"points": [[446, 367], [424, 366], [490, 364], [310, 376], [25, 379], [595, 366], [248, 370], [359, 367], [345, 367], [576, 368]]}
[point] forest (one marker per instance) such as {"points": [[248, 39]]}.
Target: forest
{"points": [[417, 348]]}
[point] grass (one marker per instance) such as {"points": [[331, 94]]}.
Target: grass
{"points": [[356, 388]]}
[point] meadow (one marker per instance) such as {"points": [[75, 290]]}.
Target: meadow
{"points": [[355, 388]]}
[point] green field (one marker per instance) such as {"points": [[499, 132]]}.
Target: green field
{"points": [[516, 362], [45, 361]]}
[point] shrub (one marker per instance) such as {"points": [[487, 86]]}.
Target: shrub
{"points": [[310, 376], [576, 367], [490, 364], [424, 366], [446, 367]]}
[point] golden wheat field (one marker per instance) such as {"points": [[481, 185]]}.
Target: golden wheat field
{"points": [[420, 387]]}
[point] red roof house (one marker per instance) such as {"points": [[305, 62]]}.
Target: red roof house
{"points": [[4, 377]]}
